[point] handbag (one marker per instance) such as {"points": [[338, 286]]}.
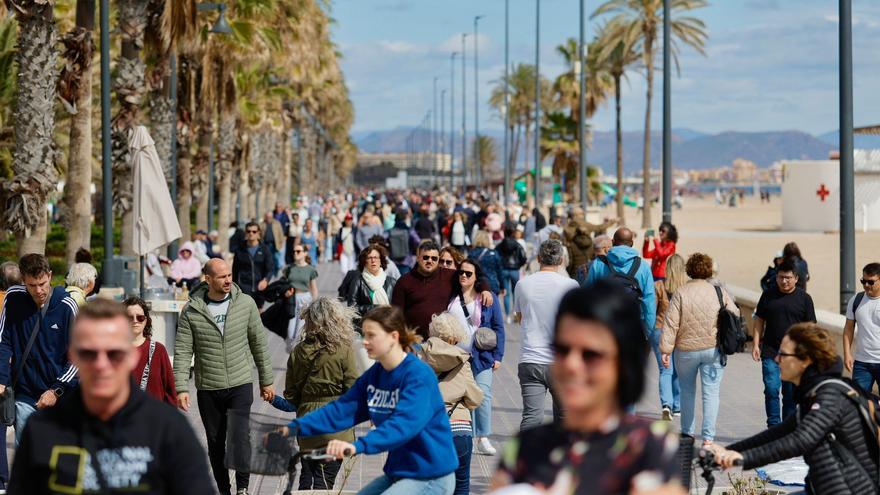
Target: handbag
{"points": [[7, 398]]}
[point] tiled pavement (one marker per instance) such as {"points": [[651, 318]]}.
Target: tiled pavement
{"points": [[741, 414]]}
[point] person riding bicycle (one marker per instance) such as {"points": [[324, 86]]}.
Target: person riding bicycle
{"points": [[400, 395], [827, 428]]}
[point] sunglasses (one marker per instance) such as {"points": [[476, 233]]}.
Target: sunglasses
{"points": [[780, 354], [430, 258], [590, 357], [297, 251], [466, 273], [137, 318], [869, 283], [450, 263], [115, 356], [252, 231]]}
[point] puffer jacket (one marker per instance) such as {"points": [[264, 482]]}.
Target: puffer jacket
{"points": [[457, 384], [691, 322], [825, 414], [316, 377], [222, 360]]}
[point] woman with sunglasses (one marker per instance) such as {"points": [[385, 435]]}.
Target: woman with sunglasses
{"points": [[598, 373], [304, 278], [827, 429], [467, 307], [450, 258], [153, 372]]}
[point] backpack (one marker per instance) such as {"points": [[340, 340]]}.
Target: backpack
{"points": [[398, 239], [857, 302], [730, 336], [626, 280]]}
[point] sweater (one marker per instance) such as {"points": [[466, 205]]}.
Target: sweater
{"points": [[658, 255], [48, 366], [420, 297], [222, 360], [691, 322], [160, 384], [409, 415], [145, 448], [808, 432]]}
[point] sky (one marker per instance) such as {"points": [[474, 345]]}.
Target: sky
{"points": [[771, 64]]}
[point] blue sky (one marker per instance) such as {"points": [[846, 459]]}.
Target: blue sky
{"points": [[771, 64]]}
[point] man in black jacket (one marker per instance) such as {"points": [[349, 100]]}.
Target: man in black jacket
{"points": [[513, 257], [107, 436], [253, 264]]}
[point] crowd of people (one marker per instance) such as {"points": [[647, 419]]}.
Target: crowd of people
{"points": [[412, 342]]}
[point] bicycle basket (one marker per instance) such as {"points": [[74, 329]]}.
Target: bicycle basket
{"points": [[254, 445]]}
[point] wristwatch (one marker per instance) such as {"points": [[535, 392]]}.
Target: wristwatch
{"points": [[58, 391]]}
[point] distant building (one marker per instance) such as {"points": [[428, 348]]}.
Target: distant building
{"points": [[404, 161]]}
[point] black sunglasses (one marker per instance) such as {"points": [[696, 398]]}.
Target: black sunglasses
{"points": [[781, 354], [252, 231], [115, 356], [589, 356], [869, 283], [137, 318], [447, 262], [297, 251], [466, 273], [432, 258]]}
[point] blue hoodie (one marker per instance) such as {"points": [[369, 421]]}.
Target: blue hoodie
{"points": [[411, 422], [621, 258]]}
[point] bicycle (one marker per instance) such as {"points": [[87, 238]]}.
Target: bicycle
{"points": [[314, 455], [706, 461]]}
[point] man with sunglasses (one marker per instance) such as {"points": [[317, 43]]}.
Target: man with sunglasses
{"points": [[108, 436], [253, 264], [427, 290], [864, 310], [34, 337]]}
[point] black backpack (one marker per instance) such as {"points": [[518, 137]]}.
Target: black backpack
{"points": [[398, 241], [626, 280], [731, 337]]}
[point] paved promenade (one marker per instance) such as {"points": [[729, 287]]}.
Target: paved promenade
{"points": [[741, 414]]}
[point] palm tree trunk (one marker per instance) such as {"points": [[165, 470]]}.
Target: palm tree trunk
{"points": [[618, 138], [184, 153], [77, 199], [24, 196], [646, 154], [201, 170], [225, 155]]}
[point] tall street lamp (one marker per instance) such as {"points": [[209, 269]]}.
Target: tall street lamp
{"points": [[106, 158], [477, 162], [507, 164], [582, 97], [464, 155], [537, 103], [442, 141], [847, 187], [452, 120], [667, 116], [434, 144]]}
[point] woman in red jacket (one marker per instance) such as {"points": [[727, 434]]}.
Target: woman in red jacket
{"points": [[158, 379], [663, 248]]}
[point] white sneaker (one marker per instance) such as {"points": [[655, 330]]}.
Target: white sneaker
{"points": [[484, 447]]}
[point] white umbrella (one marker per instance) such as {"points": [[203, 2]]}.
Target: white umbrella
{"points": [[155, 219]]}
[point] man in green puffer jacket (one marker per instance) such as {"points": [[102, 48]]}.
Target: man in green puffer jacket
{"points": [[221, 326]]}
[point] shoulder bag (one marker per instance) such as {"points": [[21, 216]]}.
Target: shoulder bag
{"points": [[7, 399], [145, 377]]}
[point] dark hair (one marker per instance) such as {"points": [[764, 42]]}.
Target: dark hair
{"points": [[253, 224], [456, 282], [787, 265], [608, 304], [791, 249], [508, 231], [82, 255], [378, 239], [671, 231], [136, 301], [699, 266], [391, 319], [101, 309], [362, 257], [872, 269], [9, 275], [429, 245], [34, 265], [814, 342]]}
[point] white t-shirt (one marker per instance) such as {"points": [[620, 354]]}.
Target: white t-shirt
{"points": [[867, 318], [218, 310], [537, 297], [466, 322]]}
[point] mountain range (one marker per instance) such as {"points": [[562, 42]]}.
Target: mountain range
{"points": [[691, 149]]}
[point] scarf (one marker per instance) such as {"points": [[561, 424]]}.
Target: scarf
{"points": [[376, 283]]}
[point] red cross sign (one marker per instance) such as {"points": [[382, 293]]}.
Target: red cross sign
{"points": [[822, 192]]}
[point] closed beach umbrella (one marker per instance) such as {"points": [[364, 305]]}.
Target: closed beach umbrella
{"points": [[155, 219]]}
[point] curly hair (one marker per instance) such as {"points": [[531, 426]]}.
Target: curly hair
{"points": [[457, 257], [145, 307], [446, 327], [814, 342], [699, 266], [383, 256], [329, 322]]}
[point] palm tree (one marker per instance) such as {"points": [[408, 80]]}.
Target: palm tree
{"points": [[8, 71], [615, 53], [488, 156], [639, 20], [75, 90], [24, 196]]}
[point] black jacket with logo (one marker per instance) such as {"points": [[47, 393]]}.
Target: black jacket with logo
{"points": [[148, 447]]}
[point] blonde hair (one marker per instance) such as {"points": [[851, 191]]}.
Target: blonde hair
{"points": [[675, 274], [481, 239], [446, 327]]}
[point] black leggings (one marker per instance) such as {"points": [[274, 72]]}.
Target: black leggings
{"points": [[318, 475]]}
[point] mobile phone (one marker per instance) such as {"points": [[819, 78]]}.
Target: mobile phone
{"points": [[649, 232]]}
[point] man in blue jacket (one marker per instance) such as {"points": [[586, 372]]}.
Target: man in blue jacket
{"points": [[621, 258], [46, 373]]}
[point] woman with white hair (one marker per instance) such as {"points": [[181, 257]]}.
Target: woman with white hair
{"points": [[457, 386], [80, 281]]}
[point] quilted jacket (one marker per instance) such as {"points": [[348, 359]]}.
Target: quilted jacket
{"points": [[691, 322], [456, 380], [222, 360]]}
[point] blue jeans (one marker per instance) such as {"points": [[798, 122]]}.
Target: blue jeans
{"points": [[23, 411], [772, 384], [670, 390], [707, 363], [464, 448], [386, 485], [866, 375], [279, 260], [509, 278], [482, 415]]}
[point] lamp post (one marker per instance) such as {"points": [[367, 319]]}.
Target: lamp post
{"points": [[442, 141], [667, 116], [106, 158], [582, 97], [464, 166], [847, 187], [452, 121], [434, 143], [507, 164], [477, 162], [537, 104]]}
